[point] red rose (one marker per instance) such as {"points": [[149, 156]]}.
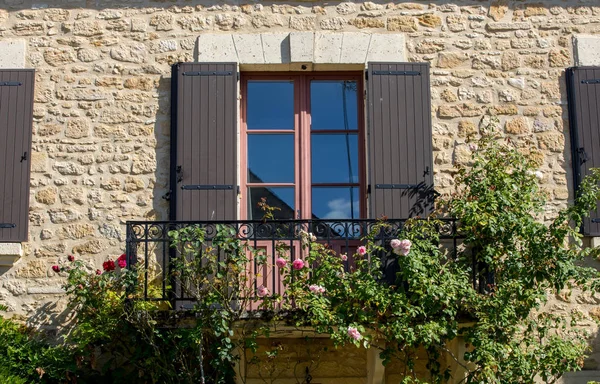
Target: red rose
{"points": [[71, 258], [56, 268], [108, 265]]}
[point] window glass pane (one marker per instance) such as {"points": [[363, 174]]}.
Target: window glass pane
{"points": [[279, 197], [333, 104], [270, 105], [335, 203], [334, 158], [271, 158]]}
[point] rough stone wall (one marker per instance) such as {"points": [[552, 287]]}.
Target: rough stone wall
{"points": [[101, 113]]}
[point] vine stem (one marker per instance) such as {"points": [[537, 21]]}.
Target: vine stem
{"points": [[202, 379]]}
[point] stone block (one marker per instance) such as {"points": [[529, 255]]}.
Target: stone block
{"points": [[13, 54], [587, 50], [249, 48], [355, 46], [328, 47], [42, 290], [595, 242], [276, 48], [302, 47], [216, 48], [10, 251], [387, 47]]}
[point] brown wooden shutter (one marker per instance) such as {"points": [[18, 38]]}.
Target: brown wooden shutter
{"points": [[204, 141], [400, 155], [583, 85], [16, 108]]}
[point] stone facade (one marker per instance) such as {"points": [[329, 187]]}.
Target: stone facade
{"points": [[102, 101]]}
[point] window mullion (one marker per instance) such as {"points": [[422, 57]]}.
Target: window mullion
{"points": [[304, 150]]}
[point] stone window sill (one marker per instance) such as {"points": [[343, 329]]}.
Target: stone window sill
{"points": [[9, 253]]}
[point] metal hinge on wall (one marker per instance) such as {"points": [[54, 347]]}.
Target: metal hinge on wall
{"points": [[7, 225]]}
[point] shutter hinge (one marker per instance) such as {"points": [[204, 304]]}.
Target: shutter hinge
{"points": [[369, 189], [10, 83], [398, 186], [167, 196], [207, 73], [7, 225], [591, 81], [582, 155], [24, 157], [179, 174], [197, 187], [401, 73], [366, 75]]}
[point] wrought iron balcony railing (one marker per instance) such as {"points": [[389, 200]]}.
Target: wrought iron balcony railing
{"points": [[149, 246]]}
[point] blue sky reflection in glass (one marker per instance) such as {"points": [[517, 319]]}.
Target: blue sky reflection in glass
{"points": [[335, 202], [333, 105], [270, 104], [271, 158]]}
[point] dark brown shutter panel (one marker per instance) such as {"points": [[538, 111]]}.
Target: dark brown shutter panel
{"points": [[583, 86], [400, 155], [16, 108], [203, 141]]}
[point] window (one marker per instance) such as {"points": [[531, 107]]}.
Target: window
{"points": [[16, 116], [303, 141], [303, 146]]}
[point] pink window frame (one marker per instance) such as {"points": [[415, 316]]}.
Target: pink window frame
{"points": [[302, 136]]}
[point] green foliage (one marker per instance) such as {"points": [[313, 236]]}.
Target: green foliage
{"points": [[509, 338], [27, 357], [432, 304], [500, 209]]}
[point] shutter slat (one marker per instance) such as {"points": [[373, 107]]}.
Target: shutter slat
{"points": [[205, 146], [399, 140], [16, 106]]}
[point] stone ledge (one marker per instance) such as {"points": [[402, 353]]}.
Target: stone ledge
{"points": [[45, 290], [586, 50], [300, 48], [9, 253]]}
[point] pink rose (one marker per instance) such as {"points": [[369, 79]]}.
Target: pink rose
{"points": [[362, 250], [298, 264], [281, 262], [122, 261], [98, 272], [354, 334], [403, 247], [262, 291], [56, 268], [395, 243], [344, 257], [316, 288]]}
